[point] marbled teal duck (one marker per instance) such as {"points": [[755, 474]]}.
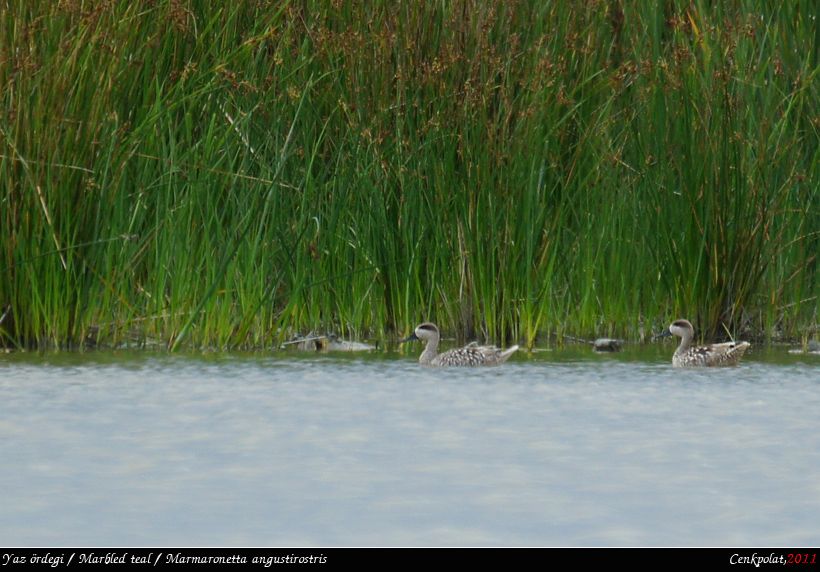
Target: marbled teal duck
{"points": [[687, 355], [470, 355]]}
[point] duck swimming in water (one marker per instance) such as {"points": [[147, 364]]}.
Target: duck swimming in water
{"points": [[687, 355], [470, 355]]}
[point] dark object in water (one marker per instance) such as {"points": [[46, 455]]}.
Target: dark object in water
{"points": [[607, 345], [812, 347]]}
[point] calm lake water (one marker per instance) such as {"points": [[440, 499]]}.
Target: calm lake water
{"points": [[551, 449]]}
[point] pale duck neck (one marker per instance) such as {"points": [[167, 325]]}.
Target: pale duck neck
{"points": [[685, 342], [430, 351]]}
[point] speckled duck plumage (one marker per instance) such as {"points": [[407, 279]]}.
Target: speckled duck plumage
{"points": [[687, 355], [471, 355]]}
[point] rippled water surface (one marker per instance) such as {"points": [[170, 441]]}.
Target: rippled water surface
{"points": [[554, 448]]}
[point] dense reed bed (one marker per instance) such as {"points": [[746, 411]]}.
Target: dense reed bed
{"points": [[202, 173]]}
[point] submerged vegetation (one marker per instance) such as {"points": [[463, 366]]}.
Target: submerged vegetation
{"points": [[224, 174]]}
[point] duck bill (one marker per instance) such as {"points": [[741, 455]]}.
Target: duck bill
{"points": [[412, 337], [664, 334]]}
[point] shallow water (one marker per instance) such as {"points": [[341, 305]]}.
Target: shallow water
{"points": [[553, 448]]}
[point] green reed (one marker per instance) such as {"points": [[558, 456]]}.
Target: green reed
{"points": [[187, 173]]}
